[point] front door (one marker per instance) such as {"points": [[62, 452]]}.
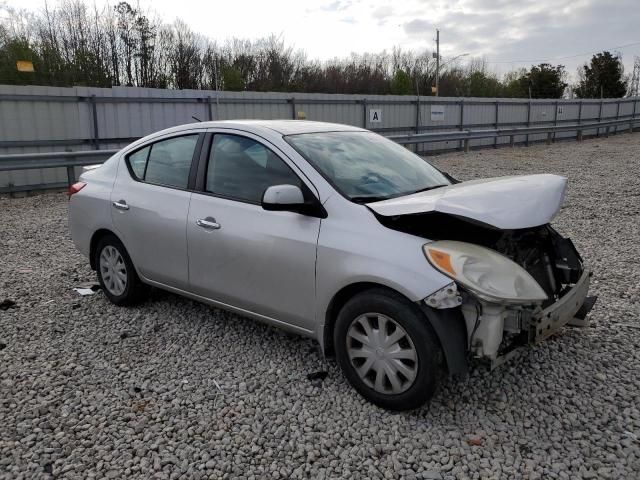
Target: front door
{"points": [[241, 254]]}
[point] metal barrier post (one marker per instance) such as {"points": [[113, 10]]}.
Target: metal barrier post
{"points": [[599, 118], [71, 175], [417, 121], [209, 112], [579, 133], [615, 130], [94, 113], [496, 124], [461, 126], [555, 120], [294, 114], [528, 121], [466, 145], [364, 113], [633, 115]]}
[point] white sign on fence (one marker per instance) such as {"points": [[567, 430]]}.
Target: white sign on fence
{"points": [[375, 116], [437, 113]]}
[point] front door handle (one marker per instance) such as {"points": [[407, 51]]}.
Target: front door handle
{"points": [[120, 205], [208, 223]]}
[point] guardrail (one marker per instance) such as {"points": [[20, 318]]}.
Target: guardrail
{"points": [[467, 135], [70, 160]]}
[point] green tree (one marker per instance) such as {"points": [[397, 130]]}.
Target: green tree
{"points": [[232, 79], [603, 76], [482, 84], [12, 51], [513, 87], [401, 83], [547, 81]]}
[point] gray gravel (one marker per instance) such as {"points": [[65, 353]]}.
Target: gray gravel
{"points": [[175, 389]]}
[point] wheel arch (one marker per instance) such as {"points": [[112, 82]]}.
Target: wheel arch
{"points": [[95, 239], [448, 325]]}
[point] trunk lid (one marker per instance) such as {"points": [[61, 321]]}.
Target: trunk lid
{"points": [[506, 203]]}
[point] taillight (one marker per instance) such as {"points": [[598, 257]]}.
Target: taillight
{"points": [[75, 188]]}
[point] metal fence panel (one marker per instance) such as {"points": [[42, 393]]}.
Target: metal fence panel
{"points": [[51, 119]]}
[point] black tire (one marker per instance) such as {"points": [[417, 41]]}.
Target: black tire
{"points": [[135, 291], [415, 324]]}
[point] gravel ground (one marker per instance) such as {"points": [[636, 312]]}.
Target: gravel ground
{"points": [[175, 389]]}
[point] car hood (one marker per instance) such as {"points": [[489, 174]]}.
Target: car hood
{"points": [[503, 202]]}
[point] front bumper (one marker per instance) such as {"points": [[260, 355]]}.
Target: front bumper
{"points": [[547, 322]]}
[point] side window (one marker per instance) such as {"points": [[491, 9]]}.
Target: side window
{"points": [[138, 162], [166, 162], [243, 169]]}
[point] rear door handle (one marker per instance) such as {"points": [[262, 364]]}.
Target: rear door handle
{"points": [[208, 223], [120, 205]]}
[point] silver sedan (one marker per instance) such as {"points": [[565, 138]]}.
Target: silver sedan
{"points": [[339, 234]]}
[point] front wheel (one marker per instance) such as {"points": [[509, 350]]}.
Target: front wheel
{"points": [[116, 273], [386, 350]]}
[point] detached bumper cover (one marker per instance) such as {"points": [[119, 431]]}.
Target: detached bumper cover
{"points": [[556, 316]]}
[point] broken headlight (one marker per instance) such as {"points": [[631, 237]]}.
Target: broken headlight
{"points": [[486, 273]]}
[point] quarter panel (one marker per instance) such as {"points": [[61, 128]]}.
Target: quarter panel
{"points": [[89, 209]]}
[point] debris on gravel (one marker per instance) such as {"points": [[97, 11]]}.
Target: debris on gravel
{"points": [[175, 389], [6, 304]]}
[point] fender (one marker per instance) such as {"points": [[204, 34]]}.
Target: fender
{"points": [[451, 330]]}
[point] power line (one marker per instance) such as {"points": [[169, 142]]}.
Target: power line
{"points": [[566, 57]]}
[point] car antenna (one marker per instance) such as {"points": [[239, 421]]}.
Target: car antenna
{"points": [[196, 118]]}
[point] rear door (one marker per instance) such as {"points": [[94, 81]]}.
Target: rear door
{"points": [[241, 254], [150, 204]]}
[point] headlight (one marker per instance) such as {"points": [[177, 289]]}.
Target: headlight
{"points": [[491, 276]]}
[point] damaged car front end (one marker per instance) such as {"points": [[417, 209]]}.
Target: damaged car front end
{"points": [[515, 280]]}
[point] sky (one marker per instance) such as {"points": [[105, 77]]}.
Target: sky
{"points": [[509, 34]]}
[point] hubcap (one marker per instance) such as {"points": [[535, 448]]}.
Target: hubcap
{"points": [[113, 270], [382, 353]]}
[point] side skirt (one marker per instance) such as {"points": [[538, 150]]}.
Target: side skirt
{"points": [[240, 311]]}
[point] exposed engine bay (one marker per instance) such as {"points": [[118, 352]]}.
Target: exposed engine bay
{"points": [[495, 329]]}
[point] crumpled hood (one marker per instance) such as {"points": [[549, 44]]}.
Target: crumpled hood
{"points": [[503, 202]]}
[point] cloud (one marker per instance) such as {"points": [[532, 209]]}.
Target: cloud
{"points": [[336, 6], [382, 12], [509, 34], [418, 27]]}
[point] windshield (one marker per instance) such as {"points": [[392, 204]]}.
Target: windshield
{"points": [[366, 167]]}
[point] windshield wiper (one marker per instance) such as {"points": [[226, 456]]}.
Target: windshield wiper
{"points": [[426, 189], [368, 198], [379, 198]]}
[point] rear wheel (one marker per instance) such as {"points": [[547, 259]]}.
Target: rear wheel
{"points": [[116, 273], [386, 350]]}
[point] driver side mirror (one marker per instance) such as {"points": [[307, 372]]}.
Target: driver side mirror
{"points": [[289, 198]]}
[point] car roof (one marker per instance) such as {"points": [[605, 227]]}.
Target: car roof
{"points": [[284, 127]]}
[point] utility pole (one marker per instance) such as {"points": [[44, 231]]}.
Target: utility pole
{"points": [[437, 63], [634, 88]]}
